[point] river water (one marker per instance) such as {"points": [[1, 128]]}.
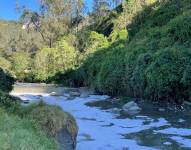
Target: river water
{"points": [[102, 126]]}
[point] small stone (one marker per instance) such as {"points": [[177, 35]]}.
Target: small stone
{"points": [[131, 108], [75, 94]]}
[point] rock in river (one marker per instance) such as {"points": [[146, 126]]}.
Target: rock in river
{"points": [[131, 108], [75, 94]]}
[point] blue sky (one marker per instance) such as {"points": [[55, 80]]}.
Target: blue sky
{"points": [[8, 11]]}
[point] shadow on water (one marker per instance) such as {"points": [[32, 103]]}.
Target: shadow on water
{"points": [[177, 117]]}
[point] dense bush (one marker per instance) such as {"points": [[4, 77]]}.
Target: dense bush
{"points": [[49, 61], [151, 59], [51, 119], [95, 42], [8, 102], [5, 64], [6, 81], [104, 69], [152, 62], [18, 134], [118, 35], [21, 65]]}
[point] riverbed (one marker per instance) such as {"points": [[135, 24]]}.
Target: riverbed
{"points": [[104, 126]]}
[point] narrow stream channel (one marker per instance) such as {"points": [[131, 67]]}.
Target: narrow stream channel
{"points": [[104, 127]]}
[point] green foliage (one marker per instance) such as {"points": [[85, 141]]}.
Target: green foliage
{"points": [[51, 119], [178, 29], [17, 134], [14, 38], [151, 62], [95, 41], [164, 75], [6, 81], [21, 65], [50, 61], [6, 85], [8, 102], [104, 73], [118, 35], [150, 59], [5, 64]]}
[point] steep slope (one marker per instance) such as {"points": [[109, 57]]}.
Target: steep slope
{"points": [[153, 62]]}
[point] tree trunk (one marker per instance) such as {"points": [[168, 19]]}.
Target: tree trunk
{"points": [[50, 43]]}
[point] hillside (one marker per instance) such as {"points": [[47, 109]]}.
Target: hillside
{"points": [[14, 38], [153, 62], [140, 49]]}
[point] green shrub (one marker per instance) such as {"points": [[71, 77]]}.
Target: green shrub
{"points": [[51, 119], [153, 62], [21, 64], [179, 29], [50, 61], [8, 102], [118, 35], [164, 75], [22, 134], [95, 42], [5, 64], [71, 78], [6, 82]]}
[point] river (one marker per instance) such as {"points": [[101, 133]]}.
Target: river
{"points": [[104, 126]]}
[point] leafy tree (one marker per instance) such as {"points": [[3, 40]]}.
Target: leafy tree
{"points": [[100, 8], [95, 42], [55, 19], [49, 61], [5, 64], [14, 38], [21, 65]]}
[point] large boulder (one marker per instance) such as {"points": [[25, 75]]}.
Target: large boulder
{"points": [[131, 108]]}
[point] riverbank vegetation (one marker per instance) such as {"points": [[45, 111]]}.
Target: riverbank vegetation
{"points": [[30, 127], [136, 48]]}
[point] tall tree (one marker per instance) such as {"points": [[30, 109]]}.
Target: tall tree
{"points": [[54, 19], [100, 7], [116, 2]]}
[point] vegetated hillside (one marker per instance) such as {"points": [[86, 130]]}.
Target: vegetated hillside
{"points": [[16, 47], [153, 62], [140, 49], [14, 38]]}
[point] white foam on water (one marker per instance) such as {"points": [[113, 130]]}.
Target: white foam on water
{"points": [[167, 143], [175, 131], [100, 130], [183, 141]]}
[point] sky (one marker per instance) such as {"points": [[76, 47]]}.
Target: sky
{"points": [[8, 8]]}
